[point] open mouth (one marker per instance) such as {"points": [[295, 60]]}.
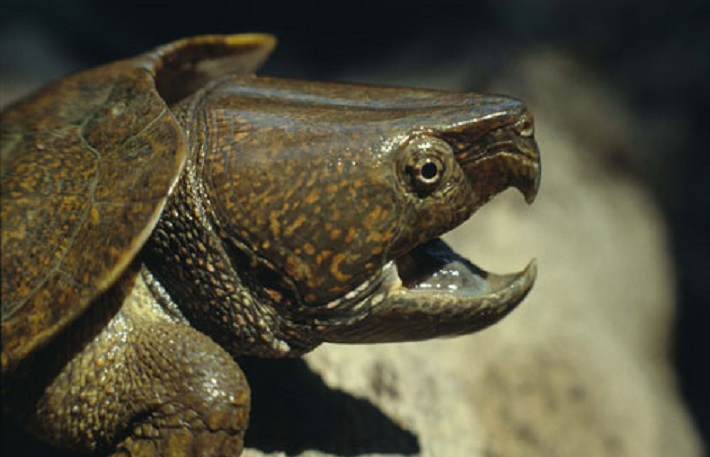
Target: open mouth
{"points": [[431, 291], [434, 268], [426, 293]]}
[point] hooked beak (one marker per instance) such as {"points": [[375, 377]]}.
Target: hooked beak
{"points": [[504, 157]]}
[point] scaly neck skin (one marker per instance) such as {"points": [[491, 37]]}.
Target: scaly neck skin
{"points": [[203, 275], [302, 203]]}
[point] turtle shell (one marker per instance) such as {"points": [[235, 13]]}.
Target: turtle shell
{"points": [[87, 165]]}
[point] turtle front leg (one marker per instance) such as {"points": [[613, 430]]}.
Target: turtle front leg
{"points": [[195, 397], [147, 384]]}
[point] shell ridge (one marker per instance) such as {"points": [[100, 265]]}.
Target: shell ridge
{"points": [[80, 272]]}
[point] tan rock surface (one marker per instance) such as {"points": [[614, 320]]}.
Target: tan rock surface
{"points": [[582, 368]]}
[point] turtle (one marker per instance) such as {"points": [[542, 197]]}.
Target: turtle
{"points": [[167, 213]]}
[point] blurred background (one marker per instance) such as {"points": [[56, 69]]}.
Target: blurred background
{"points": [[653, 56]]}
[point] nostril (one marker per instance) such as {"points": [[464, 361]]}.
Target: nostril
{"points": [[525, 126]]}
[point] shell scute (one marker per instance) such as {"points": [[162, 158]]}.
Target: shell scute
{"points": [[87, 164]]}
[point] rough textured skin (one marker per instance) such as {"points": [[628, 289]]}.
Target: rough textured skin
{"points": [[150, 373], [349, 184], [164, 214]]}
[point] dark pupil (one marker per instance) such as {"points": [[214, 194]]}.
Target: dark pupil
{"points": [[429, 170]]}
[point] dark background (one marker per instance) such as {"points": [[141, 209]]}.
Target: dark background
{"points": [[654, 54]]}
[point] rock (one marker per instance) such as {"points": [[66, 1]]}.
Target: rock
{"points": [[582, 368]]}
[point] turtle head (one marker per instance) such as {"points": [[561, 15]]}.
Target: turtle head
{"points": [[336, 195]]}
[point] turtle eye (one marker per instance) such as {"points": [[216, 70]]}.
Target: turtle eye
{"points": [[427, 172], [426, 162]]}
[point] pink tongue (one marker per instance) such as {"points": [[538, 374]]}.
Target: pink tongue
{"points": [[433, 267]]}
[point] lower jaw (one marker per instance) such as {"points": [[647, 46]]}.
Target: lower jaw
{"points": [[429, 292]]}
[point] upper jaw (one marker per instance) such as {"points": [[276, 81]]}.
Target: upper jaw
{"points": [[502, 159]]}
